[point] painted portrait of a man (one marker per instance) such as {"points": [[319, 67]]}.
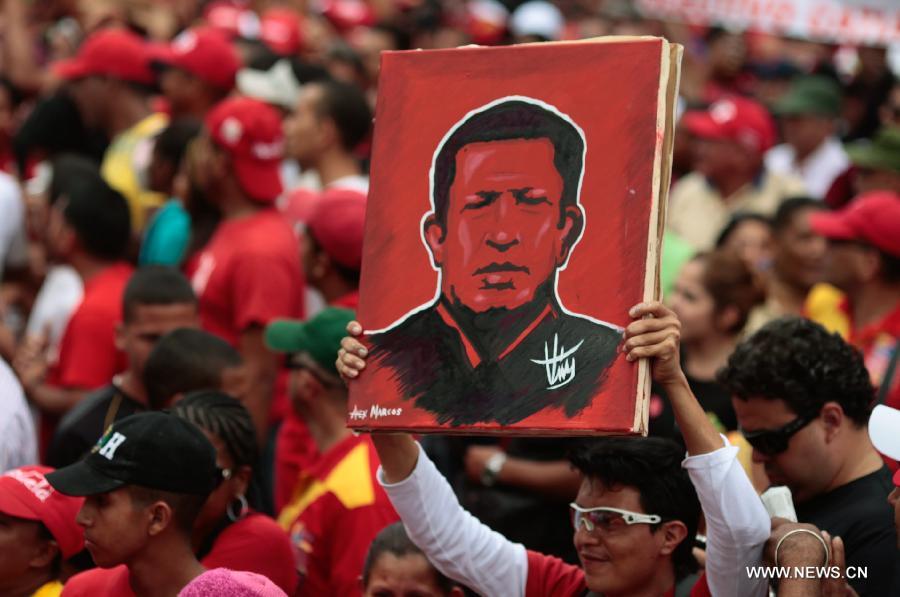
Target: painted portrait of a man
{"points": [[496, 344]]}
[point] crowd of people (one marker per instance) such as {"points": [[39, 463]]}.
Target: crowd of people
{"points": [[183, 191]]}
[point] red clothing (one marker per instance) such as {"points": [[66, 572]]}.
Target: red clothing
{"points": [[88, 358], [551, 577], [253, 544], [878, 342], [337, 510], [248, 274]]}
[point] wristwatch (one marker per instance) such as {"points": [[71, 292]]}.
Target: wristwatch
{"points": [[492, 469]]}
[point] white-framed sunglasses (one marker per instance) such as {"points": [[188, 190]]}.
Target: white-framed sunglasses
{"points": [[608, 519]]}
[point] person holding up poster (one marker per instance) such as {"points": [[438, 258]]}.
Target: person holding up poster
{"points": [[635, 514]]}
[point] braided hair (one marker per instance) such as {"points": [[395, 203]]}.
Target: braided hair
{"points": [[226, 418]]}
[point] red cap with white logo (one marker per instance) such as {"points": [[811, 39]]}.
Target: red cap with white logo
{"points": [[25, 493], [250, 132], [734, 119]]}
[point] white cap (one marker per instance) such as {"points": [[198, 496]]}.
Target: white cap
{"points": [[277, 86], [537, 17], [884, 430]]}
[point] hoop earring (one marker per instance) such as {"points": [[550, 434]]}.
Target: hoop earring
{"points": [[245, 508]]}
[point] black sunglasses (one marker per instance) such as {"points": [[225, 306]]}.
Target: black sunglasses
{"points": [[775, 441]]}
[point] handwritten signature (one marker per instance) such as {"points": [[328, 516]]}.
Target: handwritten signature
{"points": [[560, 367]]}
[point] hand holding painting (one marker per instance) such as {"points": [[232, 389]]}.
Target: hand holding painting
{"points": [[653, 334]]}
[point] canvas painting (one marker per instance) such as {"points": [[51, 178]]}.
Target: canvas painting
{"points": [[513, 219]]}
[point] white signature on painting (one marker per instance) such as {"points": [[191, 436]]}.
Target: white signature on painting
{"points": [[375, 412], [560, 364]]}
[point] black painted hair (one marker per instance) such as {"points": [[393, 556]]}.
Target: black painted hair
{"points": [[186, 360], [156, 285], [393, 540], [652, 466], [513, 119], [798, 361], [226, 418]]}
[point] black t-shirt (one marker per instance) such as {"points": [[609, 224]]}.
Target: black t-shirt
{"points": [[858, 512], [82, 426], [714, 399]]}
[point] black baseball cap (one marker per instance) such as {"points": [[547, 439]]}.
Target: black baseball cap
{"points": [[155, 450]]}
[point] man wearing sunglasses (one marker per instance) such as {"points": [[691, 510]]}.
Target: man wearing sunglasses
{"points": [[802, 398], [635, 514]]}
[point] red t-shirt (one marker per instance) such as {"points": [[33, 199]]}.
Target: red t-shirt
{"points": [[248, 274], [877, 343], [88, 358], [551, 577], [335, 513], [253, 544]]}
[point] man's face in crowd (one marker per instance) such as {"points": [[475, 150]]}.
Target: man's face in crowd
{"points": [[115, 528], [848, 264], [60, 238], [89, 94], [304, 129], [179, 88], [622, 559], [502, 239], [22, 549], [716, 158], [791, 467], [799, 251], [137, 336], [409, 575], [806, 133]]}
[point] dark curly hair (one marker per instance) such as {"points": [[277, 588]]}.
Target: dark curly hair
{"points": [[798, 361], [652, 466]]}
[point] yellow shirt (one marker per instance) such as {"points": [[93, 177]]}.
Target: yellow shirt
{"points": [[824, 305], [51, 589], [125, 167], [698, 212]]}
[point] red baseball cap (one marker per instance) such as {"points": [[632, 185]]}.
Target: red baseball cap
{"points": [[115, 53], [25, 493], [873, 218], [279, 28], [250, 131], [734, 119], [233, 18], [337, 224], [204, 52]]}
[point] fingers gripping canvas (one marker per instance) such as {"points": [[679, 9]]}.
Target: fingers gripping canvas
{"points": [[512, 222]]}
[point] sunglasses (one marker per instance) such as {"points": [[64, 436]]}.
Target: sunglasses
{"points": [[775, 441], [608, 519]]}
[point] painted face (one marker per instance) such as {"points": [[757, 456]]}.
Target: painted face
{"points": [[407, 576], [114, 529], [791, 467], [505, 232], [624, 559]]}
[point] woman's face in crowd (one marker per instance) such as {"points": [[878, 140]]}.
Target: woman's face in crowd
{"points": [[752, 242], [410, 575], [693, 305]]}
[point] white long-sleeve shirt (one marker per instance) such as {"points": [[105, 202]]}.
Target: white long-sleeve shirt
{"points": [[468, 551]]}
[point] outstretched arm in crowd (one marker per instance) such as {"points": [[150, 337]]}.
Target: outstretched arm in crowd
{"points": [[465, 549], [736, 520]]}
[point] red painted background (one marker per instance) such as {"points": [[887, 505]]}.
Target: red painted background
{"points": [[611, 91]]}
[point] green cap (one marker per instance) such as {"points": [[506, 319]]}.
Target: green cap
{"points": [[319, 338], [811, 95], [881, 153]]}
